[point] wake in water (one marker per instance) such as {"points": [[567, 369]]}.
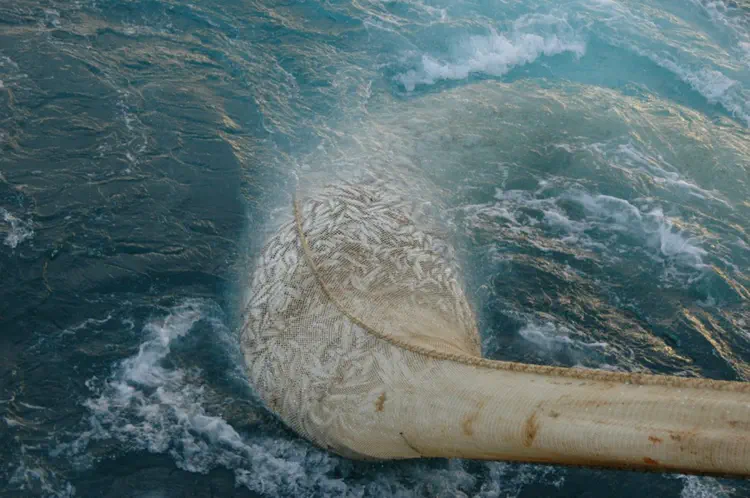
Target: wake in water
{"points": [[636, 29], [593, 156], [496, 54], [152, 404], [601, 224], [17, 230]]}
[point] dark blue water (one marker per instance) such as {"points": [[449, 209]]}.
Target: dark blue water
{"points": [[595, 157]]}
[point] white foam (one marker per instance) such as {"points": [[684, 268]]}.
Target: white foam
{"points": [[704, 487], [86, 324], [18, 229], [555, 339], [151, 405], [672, 243], [6, 61], [656, 229], [30, 476], [497, 53], [12, 422], [32, 407], [609, 228], [728, 19], [659, 170], [745, 47], [507, 220], [741, 243], [714, 85], [695, 59]]}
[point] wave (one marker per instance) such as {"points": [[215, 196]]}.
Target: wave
{"points": [[649, 224], [729, 17], [606, 225], [704, 487], [18, 230], [151, 404], [658, 170], [34, 479], [714, 85], [704, 65], [558, 340], [664, 39], [496, 54]]}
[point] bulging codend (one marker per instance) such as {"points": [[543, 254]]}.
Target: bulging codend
{"points": [[357, 333], [514, 412]]}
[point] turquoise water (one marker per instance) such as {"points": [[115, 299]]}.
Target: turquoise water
{"points": [[594, 157]]}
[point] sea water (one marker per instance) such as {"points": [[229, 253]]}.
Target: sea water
{"points": [[595, 160]]}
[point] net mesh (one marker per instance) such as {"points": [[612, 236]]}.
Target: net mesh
{"points": [[354, 265], [358, 294]]}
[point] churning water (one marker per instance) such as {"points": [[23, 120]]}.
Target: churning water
{"points": [[595, 157]]}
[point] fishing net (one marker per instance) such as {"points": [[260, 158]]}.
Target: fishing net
{"points": [[357, 333], [357, 263]]}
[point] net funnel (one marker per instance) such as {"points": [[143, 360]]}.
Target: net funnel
{"points": [[358, 335]]}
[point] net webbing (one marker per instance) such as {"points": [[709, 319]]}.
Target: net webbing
{"points": [[358, 335], [576, 373]]}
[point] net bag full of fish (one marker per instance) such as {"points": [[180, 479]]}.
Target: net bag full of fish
{"points": [[357, 332]]}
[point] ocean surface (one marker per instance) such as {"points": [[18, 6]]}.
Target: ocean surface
{"points": [[595, 157]]}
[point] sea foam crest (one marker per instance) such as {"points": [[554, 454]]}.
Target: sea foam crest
{"points": [[609, 226], [496, 53], [18, 230]]}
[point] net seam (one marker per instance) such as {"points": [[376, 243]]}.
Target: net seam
{"points": [[572, 373]]}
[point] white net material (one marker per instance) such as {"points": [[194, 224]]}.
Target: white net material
{"points": [[358, 335], [330, 283]]}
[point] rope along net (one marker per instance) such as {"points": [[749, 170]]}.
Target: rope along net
{"points": [[357, 304]]}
